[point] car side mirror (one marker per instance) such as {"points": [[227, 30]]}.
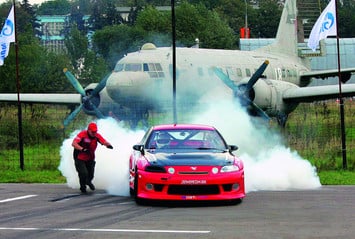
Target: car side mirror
{"points": [[232, 148], [139, 147]]}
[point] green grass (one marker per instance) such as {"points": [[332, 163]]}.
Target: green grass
{"points": [[30, 176], [337, 177]]}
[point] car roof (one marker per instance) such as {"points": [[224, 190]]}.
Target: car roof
{"points": [[182, 126]]}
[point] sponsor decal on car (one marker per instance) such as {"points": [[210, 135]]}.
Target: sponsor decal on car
{"points": [[192, 197], [193, 182]]}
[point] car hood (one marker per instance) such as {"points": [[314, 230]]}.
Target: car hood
{"points": [[195, 158]]}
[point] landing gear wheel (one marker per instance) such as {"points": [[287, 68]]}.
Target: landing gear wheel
{"points": [[281, 120]]}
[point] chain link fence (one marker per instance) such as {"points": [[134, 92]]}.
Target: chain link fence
{"points": [[313, 130]]}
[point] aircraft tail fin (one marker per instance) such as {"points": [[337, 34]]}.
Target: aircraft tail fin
{"points": [[287, 37]]}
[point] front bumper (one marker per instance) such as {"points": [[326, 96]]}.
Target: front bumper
{"points": [[162, 186]]}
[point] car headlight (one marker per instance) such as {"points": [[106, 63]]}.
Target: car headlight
{"points": [[229, 168], [154, 169]]}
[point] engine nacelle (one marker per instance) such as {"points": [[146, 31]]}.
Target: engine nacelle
{"points": [[267, 94], [102, 101]]}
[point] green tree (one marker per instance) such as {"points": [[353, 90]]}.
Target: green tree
{"points": [[346, 19], [154, 26], [54, 7], [77, 18], [86, 65], [85, 6], [113, 42], [233, 12], [104, 13], [77, 46], [152, 20], [209, 4], [198, 22], [267, 19], [39, 71]]}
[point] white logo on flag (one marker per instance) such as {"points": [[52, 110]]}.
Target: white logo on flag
{"points": [[8, 29], [325, 26], [7, 36]]}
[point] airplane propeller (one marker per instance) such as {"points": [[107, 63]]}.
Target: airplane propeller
{"points": [[74, 82], [242, 91], [72, 115], [86, 96]]}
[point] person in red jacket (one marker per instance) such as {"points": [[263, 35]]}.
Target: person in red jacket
{"points": [[85, 144]]}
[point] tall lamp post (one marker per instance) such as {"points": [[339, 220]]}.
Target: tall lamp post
{"points": [[173, 26]]}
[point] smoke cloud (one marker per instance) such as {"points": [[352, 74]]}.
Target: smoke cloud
{"points": [[269, 164]]}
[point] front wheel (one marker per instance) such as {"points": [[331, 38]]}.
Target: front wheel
{"points": [[138, 200]]}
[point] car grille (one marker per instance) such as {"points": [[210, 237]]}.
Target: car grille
{"points": [[193, 173], [193, 189]]}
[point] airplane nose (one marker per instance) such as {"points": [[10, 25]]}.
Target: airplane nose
{"points": [[127, 86]]}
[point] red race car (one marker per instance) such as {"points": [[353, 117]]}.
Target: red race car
{"points": [[185, 162]]}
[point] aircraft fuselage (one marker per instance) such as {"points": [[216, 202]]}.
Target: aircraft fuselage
{"points": [[145, 77]]}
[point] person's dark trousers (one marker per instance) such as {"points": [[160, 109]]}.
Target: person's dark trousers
{"points": [[85, 171]]}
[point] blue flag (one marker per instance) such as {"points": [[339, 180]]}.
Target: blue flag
{"points": [[326, 25], [7, 36]]}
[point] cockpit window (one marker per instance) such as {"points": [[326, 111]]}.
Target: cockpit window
{"points": [[133, 67], [154, 69], [118, 67]]}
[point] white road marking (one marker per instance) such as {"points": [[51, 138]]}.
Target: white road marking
{"points": [[100, 230], [17, 198]]}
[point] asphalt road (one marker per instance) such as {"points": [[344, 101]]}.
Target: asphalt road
{"points": [[33, 211]]}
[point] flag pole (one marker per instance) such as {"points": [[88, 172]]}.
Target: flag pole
{"points": [[341, 101], [18, 86]]}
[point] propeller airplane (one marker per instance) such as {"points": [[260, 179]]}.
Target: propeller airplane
{"points": [[270, 81]]}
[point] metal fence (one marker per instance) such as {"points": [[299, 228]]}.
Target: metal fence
{"points": [[313, 130]]}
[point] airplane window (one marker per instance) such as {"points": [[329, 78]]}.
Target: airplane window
{"points": [[118, 67], [158, 67], [230, 71], [247, 71], [294, 73], [151, 67], [155, 70], [239, 72], [145, 67], [133, 67], [153, 74], [289, 74]]}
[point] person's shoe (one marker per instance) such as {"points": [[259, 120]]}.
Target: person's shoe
{"points": [[83, 190], [91, 186]]}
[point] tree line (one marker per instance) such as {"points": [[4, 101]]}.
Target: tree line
{"points": [[216, 23]]}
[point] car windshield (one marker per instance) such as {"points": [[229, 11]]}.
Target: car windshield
{"points": [[186, 139]]}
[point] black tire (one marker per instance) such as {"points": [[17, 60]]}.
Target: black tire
{"points": [[138, 200], [135, 187], [236, 201]]}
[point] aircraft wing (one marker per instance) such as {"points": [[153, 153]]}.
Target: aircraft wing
{"points": [[43, 98], [316, 93], [345, 74]]}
